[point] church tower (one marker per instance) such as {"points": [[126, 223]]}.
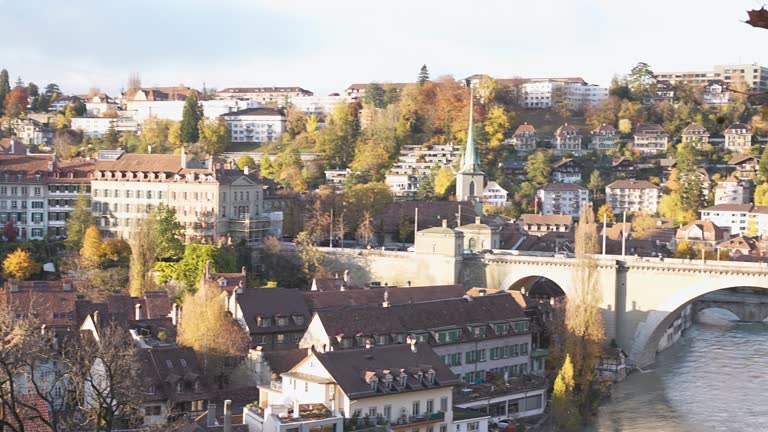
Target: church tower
{"points": [[470, 181]]}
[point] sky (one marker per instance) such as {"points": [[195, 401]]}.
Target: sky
{"points": [[326, 45]]}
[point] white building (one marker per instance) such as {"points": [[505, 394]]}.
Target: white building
{"points": [[716, 93], [733, 191], [580, 96], [754, 75], [562, 198], [695, 134], [93, 127], [495, 195], [633, 196], [604, 138], [567, 139], [738, 138], [99, 105], [650, 139], [415, 163], [319, 104], [255, 125], [524, 138], [742, 219], [403, 386], [141, 110], [272, 96]]}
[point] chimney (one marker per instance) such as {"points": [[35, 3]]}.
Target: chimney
{"points": [[13, 146], [242, 270], [240, 287], [296, 409], [96, 317], [408, 283], [346, 277], [227, 415], [138, 314], [14, 286], [211, 414], [413, 345], [149, 149], [477, 220], [50, 165], [445, 223], [246, 170], [183, 157], [386, 298], [175, 309], [67, 285]]}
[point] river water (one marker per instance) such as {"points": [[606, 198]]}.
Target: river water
{"points": [[715, 378]]}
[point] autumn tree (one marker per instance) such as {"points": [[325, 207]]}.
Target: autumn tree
{"points": [[5, 88], [312, 265], [246, 161], [564, 408], [19, 264], [445, 182], [16, 102], [596, 185], [336, 142], [213, 134], [583, 316], [371, 160], [685, 250], [105, 374], [365, 227], [9, 231], [187, 271], [91, 254], [206, 327], [761, 195], [190, 120], [496, 124], [79, 220], [605, 213], [143, 257], [641, 223], [762, 170]]}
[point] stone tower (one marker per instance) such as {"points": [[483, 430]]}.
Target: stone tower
{"points": [[470, 180]]}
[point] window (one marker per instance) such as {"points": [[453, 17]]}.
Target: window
{"points": [[501, 329], [151, 389], [388, 412], [470, 357], [169, 363], [372, 412], [444, 404], [153, 410], [473, 427], [416, 408], [430, 405], [280, 338], [524, 349], [443, 428], [179, 387], [183, 363], [282, 321]]}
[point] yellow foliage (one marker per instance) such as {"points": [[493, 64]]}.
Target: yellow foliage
{"points": [[444, 181], [206, 327], [91, 253], [606, 212], [20, 265]]}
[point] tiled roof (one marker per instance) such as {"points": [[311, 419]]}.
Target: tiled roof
{"points": [[164, 367], [254, 112], [743, 208], [540, 219], [738, 158], [632, 184], [565, 162], [650, 130], [46, 301], [737, 128], [27, 164], [525, 128], [375, 297], [271, 302], [363, 86], [566, 129], [421, 316], [740, 242], [263, 90], [281, 361], [604, 129], [562, 187], [695, 129], [350, 368]]}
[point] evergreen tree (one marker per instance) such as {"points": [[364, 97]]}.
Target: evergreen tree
{"points": [[762, 170], [564, 409], [423, 75], [112, 137], [52, 89], [692, 195], [374, 95], [595, 185], [190, 120], [5, 88], [80, 219], [539, 167]]}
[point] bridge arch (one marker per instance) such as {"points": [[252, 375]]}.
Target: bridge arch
{"points": [[732, 311], [539, 287], [648, 333]]}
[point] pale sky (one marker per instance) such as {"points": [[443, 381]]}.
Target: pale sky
{"points": [[325, 45]]}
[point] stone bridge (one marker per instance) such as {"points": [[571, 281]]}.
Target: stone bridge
{"points": [[640, 296], [744, 306]]}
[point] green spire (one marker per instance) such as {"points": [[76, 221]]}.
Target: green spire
{"points": [[470, 162]]}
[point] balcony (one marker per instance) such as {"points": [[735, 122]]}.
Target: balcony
{"points": [[407, 422]]}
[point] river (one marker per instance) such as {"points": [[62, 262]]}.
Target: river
{"points": [[715, 378]]}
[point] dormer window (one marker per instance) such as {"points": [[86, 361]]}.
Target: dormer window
{"points": [[183, 363], [179, 387], [263, 321], [374, 382], [151, 389], [169, 364], [388, 381], [346, 342], [298, 319], [198, 388], [431, 376], [478, 331], [403, 379], [282, 321]]}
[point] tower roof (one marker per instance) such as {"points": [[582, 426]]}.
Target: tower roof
{"points": [[470, 162]]}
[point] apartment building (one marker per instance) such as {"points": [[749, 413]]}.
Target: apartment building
{"points": [[272, 96], [473, 336], [211, 202], [566, 171], [495, 195], [562, 199], [255, 125], [603, 138], [524, 139], [414, 163], [580, 96], [29, 131], [319, 105], [738, 138], [742, 219], [734, 191], [695, 134], [754, 75], [633, 196], [716, 93], [567, 139], [397, 387], [650, 139], [745, 166], [357, 91]]}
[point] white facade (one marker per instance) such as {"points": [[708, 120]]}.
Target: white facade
{"points": [[733, 191], [738, 138], [255, 125], [580, 96], [93, 127], [495, 195], [742, 219], [140, 111], [538, 94], [716, 93], [577, 95], [633, 196], [273, 96], [754, 75], [562, 198], [318, 104]]}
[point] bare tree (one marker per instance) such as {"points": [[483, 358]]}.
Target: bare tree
{"points": [[26, 358], [104, 372], [365, 228], [134, 81]]}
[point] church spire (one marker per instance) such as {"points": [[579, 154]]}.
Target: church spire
{"points": [[470, 162]]}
